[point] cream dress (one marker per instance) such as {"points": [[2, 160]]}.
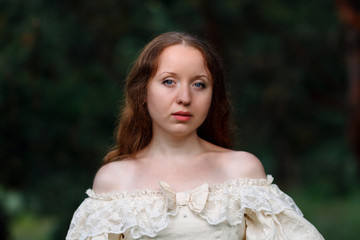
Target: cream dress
{"points": [[237, 209]]}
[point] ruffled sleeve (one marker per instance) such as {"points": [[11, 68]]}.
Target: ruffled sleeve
{"points": [[107, 216], [271, 214], [287, 225]]}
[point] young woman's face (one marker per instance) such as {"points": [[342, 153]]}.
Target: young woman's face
{"points": [[179, 95]]}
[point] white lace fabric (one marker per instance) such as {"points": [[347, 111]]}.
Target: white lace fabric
{"points": [[147, 213]]}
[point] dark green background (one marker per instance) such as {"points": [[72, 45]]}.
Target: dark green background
{"points": [[62, 66]]}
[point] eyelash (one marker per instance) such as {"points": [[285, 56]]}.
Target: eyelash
{"points": [[167, 82], [202, 85]]}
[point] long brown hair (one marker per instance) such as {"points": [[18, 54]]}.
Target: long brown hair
{"points": [[134, 130]]}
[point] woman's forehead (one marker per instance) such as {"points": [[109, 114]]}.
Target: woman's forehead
{"points": [[178, 57]]}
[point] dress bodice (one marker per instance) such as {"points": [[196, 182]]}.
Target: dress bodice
{"points": [[236, 209]]}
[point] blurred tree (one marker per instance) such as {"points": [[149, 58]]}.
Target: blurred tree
{"points": [[4, 231], [62, 65], [349, 13]]}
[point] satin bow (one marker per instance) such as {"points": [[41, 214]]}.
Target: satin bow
{"points": [[195, 199]]}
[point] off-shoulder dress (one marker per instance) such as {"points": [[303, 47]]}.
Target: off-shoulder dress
{"points": [[237, 209]]}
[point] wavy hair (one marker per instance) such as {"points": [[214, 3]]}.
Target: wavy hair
{"points": [[134, 130]]}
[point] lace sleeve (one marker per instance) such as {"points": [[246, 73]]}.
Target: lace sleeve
{"points": [[107, 216], [271, 214], [286, 225], [268, 212], [229, 202]]}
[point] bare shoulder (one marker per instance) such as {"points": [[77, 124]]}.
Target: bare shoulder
{"points": [[112, 176], [241, 164]]}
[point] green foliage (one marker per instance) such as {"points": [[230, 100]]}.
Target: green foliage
{"points": [[62, 65], [327, 214]]}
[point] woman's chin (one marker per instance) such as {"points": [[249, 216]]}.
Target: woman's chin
{"points": [[182, 132]]}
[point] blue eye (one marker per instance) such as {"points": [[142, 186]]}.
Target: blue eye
{"points": [[199, 85], [168, 82]]}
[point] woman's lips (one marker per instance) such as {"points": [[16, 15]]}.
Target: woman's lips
{"points": [[182, 116]]}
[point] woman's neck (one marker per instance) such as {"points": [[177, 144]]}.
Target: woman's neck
{"points": [[173, 148]]}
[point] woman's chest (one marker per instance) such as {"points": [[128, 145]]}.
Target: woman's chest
{"points": [[181, 178]]}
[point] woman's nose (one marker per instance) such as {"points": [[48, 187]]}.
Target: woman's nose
{"points": [[184, 96]]}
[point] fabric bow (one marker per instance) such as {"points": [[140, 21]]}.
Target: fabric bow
{"points": [[195, 199]]}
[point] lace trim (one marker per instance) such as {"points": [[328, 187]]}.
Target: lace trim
{"points": [[146, 213], [124, 194], [230, 204], [146, 216]]}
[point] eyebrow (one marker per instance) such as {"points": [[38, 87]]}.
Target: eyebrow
{"points": [[171, 73], [197, 76]]}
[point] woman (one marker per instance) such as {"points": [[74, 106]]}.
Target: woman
{"points": [[171, 174]]}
